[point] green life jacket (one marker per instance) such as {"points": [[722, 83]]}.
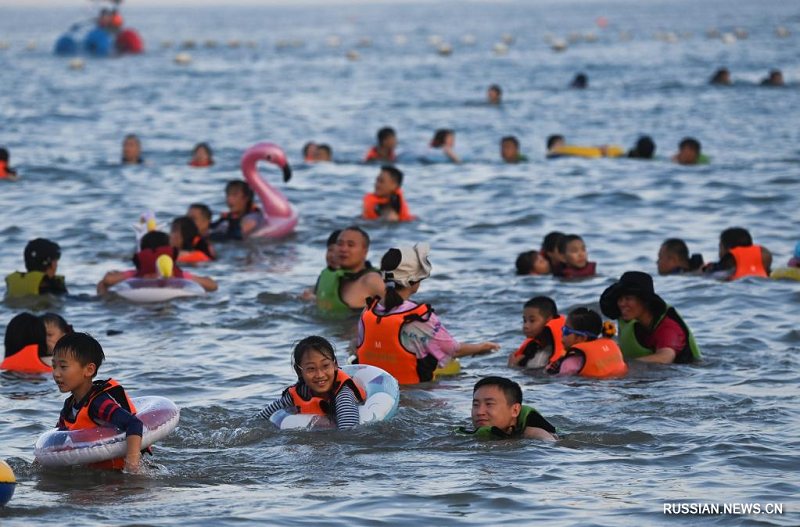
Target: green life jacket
{"points": [[632, 349], [703, 159], [20, 284], [492, 432], [329, 288]]}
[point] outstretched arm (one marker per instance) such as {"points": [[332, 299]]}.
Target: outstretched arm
{"points": [[110, 278], [477, 349]]}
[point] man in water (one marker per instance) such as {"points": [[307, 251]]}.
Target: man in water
{"points": [[494, 95], [509, 150], [361, 281], [132, 150], [689, 152]]}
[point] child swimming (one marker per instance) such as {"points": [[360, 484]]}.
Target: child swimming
{"points": [[40, 278], [384, 150], [400, 336], [321, 387], [192, 248], [739, 257], [26, 346], [673, 258], [76, 359], [576, 259], [532, 263], [387, 202], [498, 413], [201, 156], [154, 244], [201, 216], [586, 354], [55, 327], [541, 325], [242, 218]]}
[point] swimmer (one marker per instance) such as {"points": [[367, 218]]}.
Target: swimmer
{"points": [[26, 346], [722, 77], [202, 156], [201, 216], [580, 82], [41, 263], [498, 413], [6, 172], [775, 78], [309, 152], [321, 387], [185, 237], [576, 259], [387, 202], [689, 153], [550, 250], [243, 216], [586, 354], [509, 150], [673, 258], [55, 327], [76, 359], [331, 265], [154, 244], [738, 257], [532, 263], [132, 150], [541, 325], [400, 336], [644, 148], [554, 144], [445, 140], [494, 94], [384, 150], [324, 154]]}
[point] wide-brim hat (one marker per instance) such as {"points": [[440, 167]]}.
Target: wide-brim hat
{"points": [[407, 265], [634, 283]]}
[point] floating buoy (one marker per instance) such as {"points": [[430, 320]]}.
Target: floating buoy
{"points": [[66, 45], [444, 49], [508, 39], [434, 40], [353, 55], [781, 31], [728, 38], [129, 41], [334, 41], [76, 64], [98, 42], [166, 44], [468, 39], [189, 44], [741, 33], [210, 43], [559, 44], [183, 58], [233, 43], [7, 483], [31, 45], [400, 40], [500, 49]]}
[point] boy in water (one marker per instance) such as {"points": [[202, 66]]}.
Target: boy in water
{"points": [[509, 150], [739, 257], [384, 150], [498, 413], [689, 153], [76, 359], [243, 216], [200, 214], [541, 325], [673, 258], [41, 262], [576, 258], [387, 202]]}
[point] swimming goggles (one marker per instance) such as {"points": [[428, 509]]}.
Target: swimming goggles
{"points": [[565, 331]]}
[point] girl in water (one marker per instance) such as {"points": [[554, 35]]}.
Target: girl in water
{"points": [[55, 327], [321, 387], [192, 248], [445, 140]]}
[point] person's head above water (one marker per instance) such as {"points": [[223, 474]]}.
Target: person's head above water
{"points": [[330, 253], [154, 240], [183, 233], [644, 148], [202, 155], [494, 94], [536, 313], [131, 150], [76, 359], [201, 215], [387, 138], [55, 327], [775, 78], [721, 76], [550, 246], [673, 257], [42, 255], [573, 250], [554, 142], [582, 325], [509, 149], [239, 197], [580, 81], [733, 237], [314, 362], [496, 402], [352, 247], [324, 153], [25, 330], [632, 297], [309, 151], [444, 138], [689, 151], [532, 263], [388, 182], [403, 270]]}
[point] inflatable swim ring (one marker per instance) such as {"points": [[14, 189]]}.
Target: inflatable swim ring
{"points": [[59, 448], [280, 218], [383, 396], [786, 273], [591, 152], [453, 368], [143, 290]]}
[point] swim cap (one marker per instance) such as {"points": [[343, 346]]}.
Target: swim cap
{"points": [[406, 265], [40, 253]]}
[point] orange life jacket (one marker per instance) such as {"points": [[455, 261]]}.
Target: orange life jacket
{"points": [[26, 360], [4, 171], [602, 358], [373, 155], [198, 254], [145, 261], [554, 326], [83, 421], [748, 262], [323, 406], [199, 164], [372, 202], [381, 346]]}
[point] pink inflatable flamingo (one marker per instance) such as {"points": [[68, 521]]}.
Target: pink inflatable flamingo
{"points": [[280, 218]]}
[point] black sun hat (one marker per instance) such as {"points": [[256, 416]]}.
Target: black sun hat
{"points": [[634, 283]]}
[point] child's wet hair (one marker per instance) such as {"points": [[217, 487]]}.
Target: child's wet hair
{"points": [[154, 240], [237, 185], [312, 343], [550, 242], [525, 262], [82, 347], [510, 388], [56, 320], [544, 304], [735, 237], [188, 229], [24, 330], [394, 173], [566, 240], [204, 209], [584, 319]]}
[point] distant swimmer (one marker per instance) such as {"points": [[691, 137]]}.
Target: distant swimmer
{"points": [[384, 151], [494, 95], [387, 202], [132, 150], [541, 325], [445, 140], [6, 172], [498, 413], [532, 263], [201, 216], [324, 153], [673, 258], [509, 150], [721, 77], [309, 152], [576, 258], [558, 147], [739, 257], [40, 278], [689, 153], [644, 148], [243, 216], [26, 346], [202, 156], [650, 330], [192, 248], [580, 82], [775, 78]]}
